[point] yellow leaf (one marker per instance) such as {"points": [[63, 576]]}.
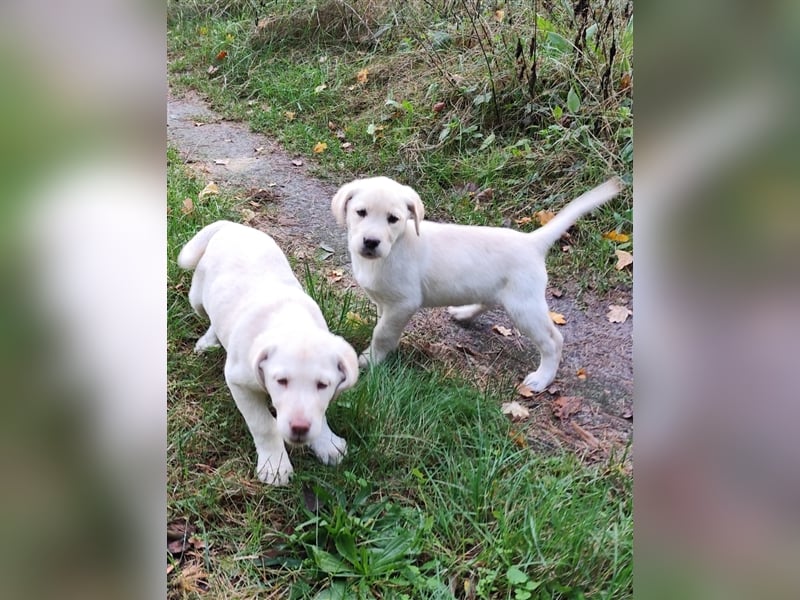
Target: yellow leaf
{"points": [[188, 206], [524, 391], [362, 76], [523, 220], [229, 37], [615, 236], [504, 331], [618, 314], [289, 115], [320, 147], [209, 190], [499, 14], [581, 373], [623, 259], [515, 410], [543, 216], [557, 318], [203, 31]]}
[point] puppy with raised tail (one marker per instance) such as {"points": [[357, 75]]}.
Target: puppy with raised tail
{"points": [[277, 343], [404, 263]]}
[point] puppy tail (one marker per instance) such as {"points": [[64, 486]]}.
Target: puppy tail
{"points": [[548, 234], [193, 251]]}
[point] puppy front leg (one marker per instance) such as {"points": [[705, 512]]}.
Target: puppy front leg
{"points": [[329, 447], [386, 334], [273, 466], [209, 340]]}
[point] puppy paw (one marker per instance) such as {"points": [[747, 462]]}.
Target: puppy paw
{"points": [[329, 449], [275, 469], [202, 345], [537, 381], [465, 313]]}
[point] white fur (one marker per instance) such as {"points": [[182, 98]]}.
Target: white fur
{"points": [[277, 343], [404, 266]]}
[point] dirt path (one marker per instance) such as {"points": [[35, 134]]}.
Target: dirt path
{"points": [[589, 407]]}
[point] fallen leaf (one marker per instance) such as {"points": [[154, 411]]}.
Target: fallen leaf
{"points": [[199, 123], [543, 216], [438, 107], [618, 314], [585, 435], [223, 54], [289, 115], [320, 147], [514, 410], [556, 292], [248, 215], [335, 275], [524, 391], [264, 195], [362, 76], [518, 438], [625, 82], [355, 318], [320, 88], [212, 69], [581, 373], [297, 162], [221, 161], [627, 413], [523, 220], [623, 259], [566, 406], [192, 579], [486, 194], [499, 14], [332, 126], [210, 190], [557, 318], [504, 331], [615, 236], [347, 146], [259, 150], [188, 206]]}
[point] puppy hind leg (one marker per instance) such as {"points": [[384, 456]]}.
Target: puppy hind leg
{"points": [[207, 341], [466, 313], [535, 322]]}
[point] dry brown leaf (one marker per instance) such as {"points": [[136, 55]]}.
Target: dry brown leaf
{"points": [[518, 438], [438, 107], [566, 406], [618, 314], [543, 216], [188, 206], [499, 14], [362, 76], [556, 292], [289, 115], [504, 331], [209, 190], [297, 162], [615, 236], [581, 373], [524, 391], [623, 259], [347, 146], [585, 435], [320, 147], [523, 220], [515, 410], [557, 318], [248, 215]]}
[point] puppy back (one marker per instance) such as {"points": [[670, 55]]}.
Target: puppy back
{"points": [[193, 251]]}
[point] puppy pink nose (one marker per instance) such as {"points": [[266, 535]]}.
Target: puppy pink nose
{"points": [[300, 427]]}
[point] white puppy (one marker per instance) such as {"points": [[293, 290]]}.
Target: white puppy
{"points": [[277, 343], [404, 265]]}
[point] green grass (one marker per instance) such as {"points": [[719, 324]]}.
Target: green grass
{"points": [[444, 107], [434, 499]]}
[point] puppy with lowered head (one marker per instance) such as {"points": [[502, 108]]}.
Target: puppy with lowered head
{"points": [[277, 343], [404, 263]]}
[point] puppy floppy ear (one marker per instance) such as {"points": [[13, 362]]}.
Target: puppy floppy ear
{"points": [[340, 200], [260, 364], [415, 207], [348, 365]]}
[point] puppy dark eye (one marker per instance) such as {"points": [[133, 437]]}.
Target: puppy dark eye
{"points": [[361, 212], [321, 386], [283, 381], [392, 219]]}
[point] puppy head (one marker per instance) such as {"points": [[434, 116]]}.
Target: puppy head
{"points": [[302, 372], [375, 211]]}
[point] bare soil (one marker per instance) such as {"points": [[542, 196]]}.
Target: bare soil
{"points": [[588, 409]]}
